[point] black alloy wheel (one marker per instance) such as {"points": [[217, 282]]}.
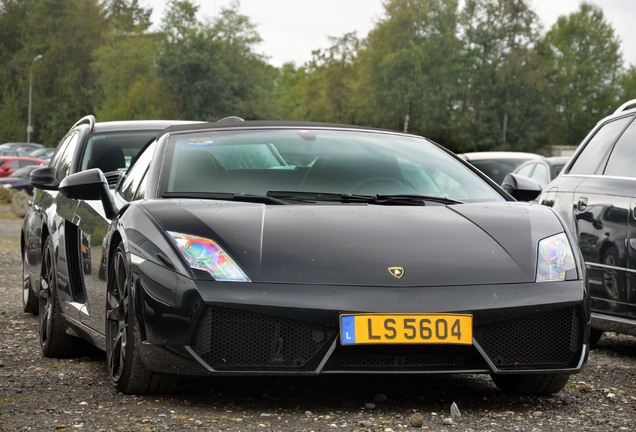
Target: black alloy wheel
{"points": [[53, 339], [610, 278], [126, 370], [29, 299]]}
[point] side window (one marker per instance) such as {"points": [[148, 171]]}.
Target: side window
{"points": [[594, 154], [623, 158], [64, 156], [136, 175], [541, 175], [141, 190], [526, 170], [24, 163], [14, 164]]}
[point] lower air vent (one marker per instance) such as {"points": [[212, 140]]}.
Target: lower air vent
{"points": [[234, 340]]}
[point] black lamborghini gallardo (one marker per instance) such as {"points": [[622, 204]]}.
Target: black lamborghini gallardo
{"points": [[237, 248]]}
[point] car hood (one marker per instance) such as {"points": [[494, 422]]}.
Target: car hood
{"points": [[358, 244]]}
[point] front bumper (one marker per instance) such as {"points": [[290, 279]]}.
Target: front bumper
{"points": [[206, 328]]}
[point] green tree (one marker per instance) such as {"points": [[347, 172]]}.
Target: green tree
{"points": [[16, 58], [501, 84], [126, 16], [66, 33], [584, 67], [212, 71], [251, 85], [127, 86], [407, 67], [628, 84], [288, 99], [326, 92]]}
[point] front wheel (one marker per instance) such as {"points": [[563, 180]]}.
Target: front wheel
{"points": [[126, 370], [29, 299], [53, 339], [595, 336], [526, 384]]}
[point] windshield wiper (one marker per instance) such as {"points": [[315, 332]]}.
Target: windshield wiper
{"points": [[315, 196], [228, 196], [412, 199], [370, 199]]}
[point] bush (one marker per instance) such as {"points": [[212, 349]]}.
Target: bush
{"points": [[6, 195]]}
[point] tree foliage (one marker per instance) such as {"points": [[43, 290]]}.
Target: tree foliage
{"points": [[472, 74], [583, 67]]}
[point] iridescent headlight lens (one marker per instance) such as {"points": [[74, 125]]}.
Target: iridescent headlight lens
{"points": [[205, 254], [555, 258]]}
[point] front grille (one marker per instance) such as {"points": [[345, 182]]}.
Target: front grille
{"points": [[547, 339], [234, 340], [404, 358]]}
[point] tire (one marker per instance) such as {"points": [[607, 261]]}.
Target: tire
{"points": [[125, 368], [30, 303], [611, 281], [53, 339], [595, 336], [542, 384]]}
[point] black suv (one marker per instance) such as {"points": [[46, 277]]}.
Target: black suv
{"points": [[596, 195], [109, 146]]}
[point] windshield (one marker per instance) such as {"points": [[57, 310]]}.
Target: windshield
{"points": [[315, 161]]}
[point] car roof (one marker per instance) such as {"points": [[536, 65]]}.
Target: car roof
{"points": [[248, 124], [130, 125], [491, 155]]}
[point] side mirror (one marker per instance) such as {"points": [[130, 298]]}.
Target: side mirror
{"points": [[44, 178], [521, 188], [89, 185]]}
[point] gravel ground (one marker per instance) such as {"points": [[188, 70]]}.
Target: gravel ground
{"points": [[74, 394]]}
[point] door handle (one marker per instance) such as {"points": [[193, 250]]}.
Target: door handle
{"points": [[581, 205]]}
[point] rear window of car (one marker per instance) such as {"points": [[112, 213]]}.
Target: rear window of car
{"points": [[623, 158], [594, 155], [114, 151]]}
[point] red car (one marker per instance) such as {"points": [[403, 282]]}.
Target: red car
{"points": [[9, 164]]}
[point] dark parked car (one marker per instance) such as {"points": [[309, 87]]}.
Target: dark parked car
{"points": [[21, 146], [236, 248], [496, 164], [20, 179], [543, 170], [43, 153], [108, 146], [596, 195], [14, 153], [9, 164]]}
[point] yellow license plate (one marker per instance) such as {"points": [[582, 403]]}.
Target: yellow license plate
{"points": [[406, 329]]}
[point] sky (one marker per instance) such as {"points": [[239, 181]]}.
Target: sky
{"points": [[292, 29]]}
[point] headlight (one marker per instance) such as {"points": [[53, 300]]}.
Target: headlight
{"points": [[555, 258], [205, 254]]}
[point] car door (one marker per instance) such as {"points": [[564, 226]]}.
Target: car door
{"points": [[602, 207], [50, 216], [631, 265], [93, 226]]}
